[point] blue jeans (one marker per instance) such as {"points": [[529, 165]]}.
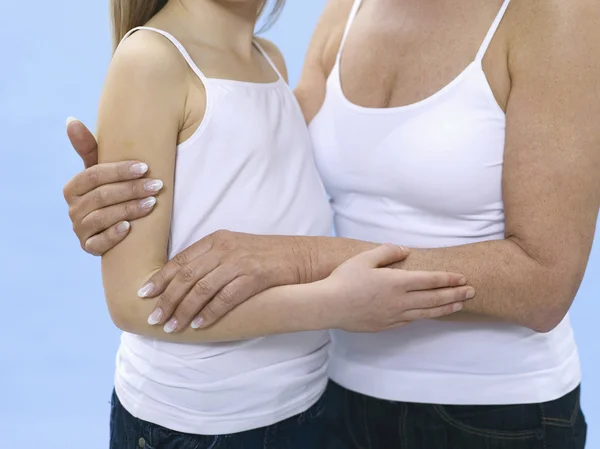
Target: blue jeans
{"points": [[304, 431], [355, 421]]}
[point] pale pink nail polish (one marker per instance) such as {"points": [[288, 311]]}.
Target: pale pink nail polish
{"points": [[123, 227], [197, 323], [148, 203], [139, 169], [155, 317], [171, 325], [147, 289], [153, 186]]}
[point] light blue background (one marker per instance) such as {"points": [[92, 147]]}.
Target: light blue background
{"points": [[57, 343]]}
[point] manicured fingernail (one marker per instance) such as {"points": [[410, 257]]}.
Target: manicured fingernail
{"points": [[153, 186], [470, 293], [71, 120], [462, 281], [123, 227], [197, 323], [139, 168], [148, 203], [146, 290], [155, 317], [171, 325], [458, 306]]}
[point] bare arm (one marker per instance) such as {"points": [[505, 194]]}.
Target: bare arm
{"points": [[140, 118]]}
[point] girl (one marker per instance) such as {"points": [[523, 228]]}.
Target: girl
{"points": [[210, 113]]}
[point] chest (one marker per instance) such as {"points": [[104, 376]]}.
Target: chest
{"points": [[400, 52]]}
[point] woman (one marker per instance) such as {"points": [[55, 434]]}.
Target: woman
{"points": [[219, 168], [493, 174]]}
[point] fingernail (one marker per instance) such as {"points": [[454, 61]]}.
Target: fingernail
{"points": [[153, 186], [171, 325], [458, 306], [146, 290], [123, 227], [462, 281], [148, 203], [139, 168], [470, 293], [71, 120], [197, 323], [155, 317]]}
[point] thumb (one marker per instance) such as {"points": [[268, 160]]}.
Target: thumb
{"points": [[83, 142], [383, 255]]}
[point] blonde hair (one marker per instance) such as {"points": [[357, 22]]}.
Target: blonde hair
{"points": [[128, 14]]}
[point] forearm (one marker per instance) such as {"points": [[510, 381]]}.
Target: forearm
{"points": [[510, 285], [279, 310]]}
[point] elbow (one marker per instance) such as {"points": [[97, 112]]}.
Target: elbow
{"points": [[554, 302], [121, 317]]}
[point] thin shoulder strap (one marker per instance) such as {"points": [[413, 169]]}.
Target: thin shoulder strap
{"points": [[177, 44], [351, 17], [267, 57], [492, 31]]}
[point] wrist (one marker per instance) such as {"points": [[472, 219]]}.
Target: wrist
{"points": [[300, 259], [326, 307]]}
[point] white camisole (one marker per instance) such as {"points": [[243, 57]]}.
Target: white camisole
{"points": [[429, 175], [249, 168]]}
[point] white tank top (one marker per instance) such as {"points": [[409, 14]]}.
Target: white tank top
{"points": [[429, 175], [249, 167]]}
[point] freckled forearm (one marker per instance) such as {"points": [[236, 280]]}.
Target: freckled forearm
{"points": [[509, 285]]}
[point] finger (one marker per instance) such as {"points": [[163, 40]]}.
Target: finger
{"points": [[427, 299], [427, 280], [189, 277], [83, 142], [202, 292], [430, 314], [101, 220], [106, 173], [231, 296], [382, 256], [116, 193], [101, 243], [161, 279]]}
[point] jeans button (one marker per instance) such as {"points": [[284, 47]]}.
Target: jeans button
{"points": [[539, 434], [141, 443]]}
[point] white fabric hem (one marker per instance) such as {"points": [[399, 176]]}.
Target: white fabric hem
{"points": [[211, 426], [448, 388]]}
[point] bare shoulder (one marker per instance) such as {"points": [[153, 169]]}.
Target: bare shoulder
{"points": [[556, 28], [328, 34], [275, 54], [149, 57]]}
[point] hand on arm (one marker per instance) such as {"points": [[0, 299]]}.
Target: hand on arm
{"points": [[103, 198]]}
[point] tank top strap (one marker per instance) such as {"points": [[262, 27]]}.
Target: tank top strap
{"points": [[267, 57], [177, 45], [492, 31], [351, 17]]}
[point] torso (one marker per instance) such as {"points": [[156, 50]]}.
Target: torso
{"points": [[409, 141]]}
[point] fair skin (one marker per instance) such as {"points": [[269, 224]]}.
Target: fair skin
{"points": [[151, 102], [544, 81]]}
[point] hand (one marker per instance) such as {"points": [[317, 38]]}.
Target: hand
{"points": [[367, 298], [230, 267], [102, 198]]}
